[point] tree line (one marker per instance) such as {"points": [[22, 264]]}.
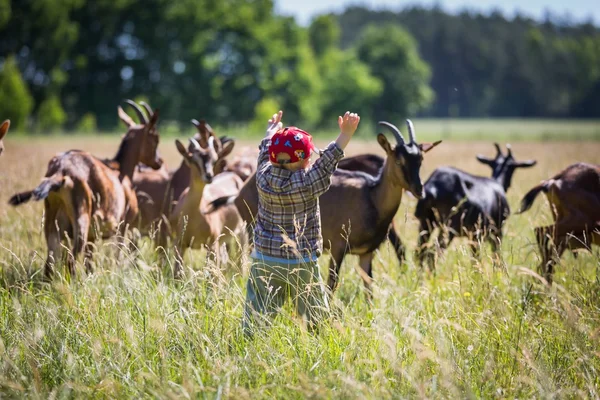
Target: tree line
{"points": [[66, 64]]}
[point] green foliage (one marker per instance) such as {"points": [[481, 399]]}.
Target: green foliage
{"points": [[217, 59], [15, 100], [490, 65], [348, 86], [50, 115], [87, 123], [391, 54], [5, 12], [324, 34], [263, 111]]}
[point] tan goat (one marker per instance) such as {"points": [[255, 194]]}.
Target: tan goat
{"points": [[192, 227], [158, 190], [3, 131], [80, 190]]}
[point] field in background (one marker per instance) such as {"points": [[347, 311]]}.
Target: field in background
{"points": [[469, 330], [427, 129]]}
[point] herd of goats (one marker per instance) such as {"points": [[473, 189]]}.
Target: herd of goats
{"points": [[210, 200]]}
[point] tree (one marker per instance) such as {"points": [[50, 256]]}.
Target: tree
{"points": [[15, 100], [324, 34], [51, 115], [348, 85], [391, 54]]}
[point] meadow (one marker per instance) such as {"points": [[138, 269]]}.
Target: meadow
{"points": [[468, 331]]}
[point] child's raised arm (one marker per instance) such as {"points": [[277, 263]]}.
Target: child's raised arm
{"points": [[348, 124], [273, 126]]}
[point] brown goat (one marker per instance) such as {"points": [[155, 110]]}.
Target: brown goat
{"points": [[192, 227], [3, 131], [358, 209], [80, 190], [247, 200], [574, 197]]}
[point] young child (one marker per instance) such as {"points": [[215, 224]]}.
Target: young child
{"points": [[287, 236]]}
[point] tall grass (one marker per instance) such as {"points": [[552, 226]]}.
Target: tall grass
{"points": [[469, 330]]}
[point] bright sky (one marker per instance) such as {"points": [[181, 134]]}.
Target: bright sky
{"points": [[580, 10]]}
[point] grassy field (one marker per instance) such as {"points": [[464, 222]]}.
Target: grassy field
{"points": [[509, 129], [470, 330]]}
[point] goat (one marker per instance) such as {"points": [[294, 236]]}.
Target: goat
{"points": [[247, 200], [467, 205], [80, 189], [3, 131], [158, 190], [192, 227], [574, 197], [358, 209]]}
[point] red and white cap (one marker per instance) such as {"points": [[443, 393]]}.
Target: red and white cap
{"points": [[292, 141]]}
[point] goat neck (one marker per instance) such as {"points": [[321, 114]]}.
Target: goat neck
{"points": [[504, 178], [128, 154], [196, 188], [387, 192]]}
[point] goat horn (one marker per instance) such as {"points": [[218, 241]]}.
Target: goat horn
{"points": [[143, 118], [411, 131], [196, 123], [498, 151], [147, 108], [195, 144], [211, 147], [395, 131], [509, 148]]}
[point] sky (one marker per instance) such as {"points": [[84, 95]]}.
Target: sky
{"points": [[579, 10]]}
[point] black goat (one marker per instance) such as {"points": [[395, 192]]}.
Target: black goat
{"points": [[465, 204]]}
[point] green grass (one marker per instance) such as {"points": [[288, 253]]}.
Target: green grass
{"points": [[470, 330]]}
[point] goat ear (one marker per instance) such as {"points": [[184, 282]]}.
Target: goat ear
{"points": [[124, 117], [219, 166], [526, 164], [484, 160], [202, 135], [425, 147], [154, 118], [181, 149], [4, 128], [226, 149], [383, 142]]}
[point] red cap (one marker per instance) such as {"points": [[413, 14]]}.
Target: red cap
{"points": [[292, 141]]}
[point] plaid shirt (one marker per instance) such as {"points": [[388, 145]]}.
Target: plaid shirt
{"points": [[288, 224]]}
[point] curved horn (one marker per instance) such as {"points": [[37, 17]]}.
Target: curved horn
{"points": [[509, 148], [411, 131], [147, 108], [195, 144], [196, 123], [143, 118], [395, 131], [211, 147], [498, 151]]}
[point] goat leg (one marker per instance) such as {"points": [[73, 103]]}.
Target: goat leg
{"points": [[423, 253], [543, 237], [397, 243], [366, 265], [335, 263]]}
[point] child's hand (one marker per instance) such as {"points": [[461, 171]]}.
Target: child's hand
{"points": [[348, 123], [274, 124]]}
